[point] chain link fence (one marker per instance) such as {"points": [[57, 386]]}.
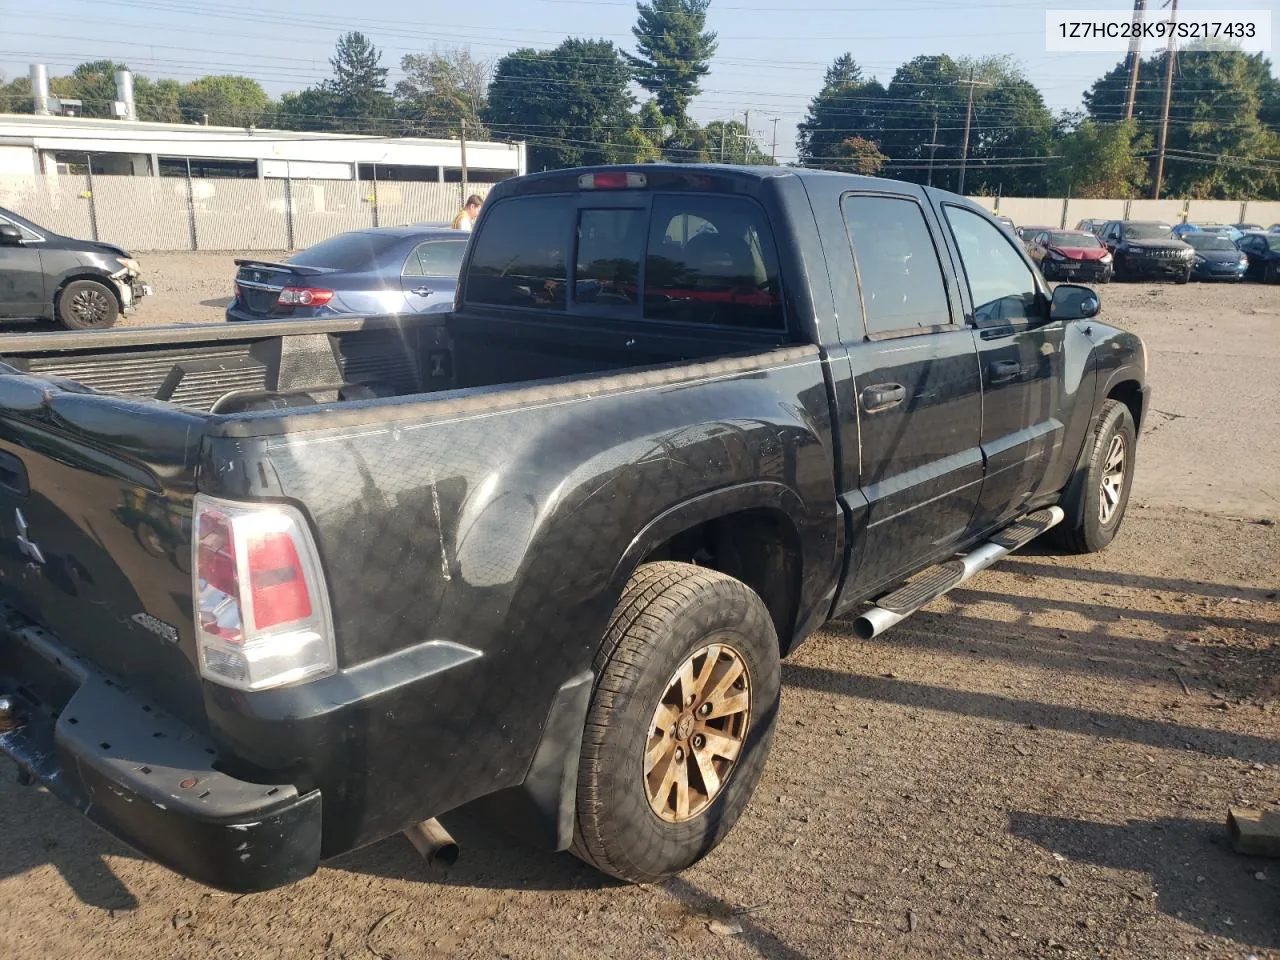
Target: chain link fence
{"points": [[180, 213]]}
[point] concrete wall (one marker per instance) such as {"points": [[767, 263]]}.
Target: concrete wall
{"points": [[987, 203], [1037, 211], [1078, 210], [1170, 211], [1214, 211], [1263, 212]]}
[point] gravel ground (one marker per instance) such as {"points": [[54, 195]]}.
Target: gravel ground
{"points": [[1016, 772]]}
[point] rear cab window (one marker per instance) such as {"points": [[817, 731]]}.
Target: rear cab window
{"points": [[682, 258]]}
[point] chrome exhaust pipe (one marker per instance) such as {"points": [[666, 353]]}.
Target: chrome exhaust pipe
{"points": [[433, 842], [877, 620]]}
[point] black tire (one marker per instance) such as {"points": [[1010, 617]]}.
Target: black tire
{"points": [[87, 305], [1185, 277], [1084, 500], [668, 612]]}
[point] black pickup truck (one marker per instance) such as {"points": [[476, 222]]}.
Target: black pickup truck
{"points": [[269, 592]]}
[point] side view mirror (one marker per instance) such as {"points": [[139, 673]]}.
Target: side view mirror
{"points": [[1071, 301], [10, 236]]}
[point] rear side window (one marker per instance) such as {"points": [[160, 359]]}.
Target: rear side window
{"points": [[360, 250], [712, 260], [435, 258], [898, 269], [520, 258], [681, 258]]}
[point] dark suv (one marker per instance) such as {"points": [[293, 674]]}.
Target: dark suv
{"points": [[1147, 248], [82, 284]]}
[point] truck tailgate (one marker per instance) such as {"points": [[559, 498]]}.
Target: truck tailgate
{"points": [[95, 539]]}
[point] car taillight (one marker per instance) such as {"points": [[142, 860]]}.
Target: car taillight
{"points": [[262, 609], [613, 180], [304, 297]]}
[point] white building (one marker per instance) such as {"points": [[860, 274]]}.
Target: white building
{"points": [[34, 144]]}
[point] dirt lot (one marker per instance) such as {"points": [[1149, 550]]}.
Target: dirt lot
{"points": [[1017, 772]]}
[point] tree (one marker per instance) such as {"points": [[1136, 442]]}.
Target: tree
{"points": [[673, 52], [358, 87], [1222, 120], [1100, 160], [314, 108], [571, 104], [732, 143], [856, 155], [15, 96], [848, 106], [227, 100], [443, 88]]}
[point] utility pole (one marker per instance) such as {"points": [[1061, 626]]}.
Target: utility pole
{"points": [[463, 158], [1164, 112], [968, 122], [724, 135], [773, 154], [1135, 58], [746, 128], [933, 146]]}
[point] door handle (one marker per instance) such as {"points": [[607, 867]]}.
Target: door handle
{"points": [[423, 291], [1002, 371], [882, 396]]}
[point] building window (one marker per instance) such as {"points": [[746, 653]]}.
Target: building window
{"points": [[401, 172], [203, 168]]}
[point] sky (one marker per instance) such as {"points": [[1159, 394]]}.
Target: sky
{"points": [[771, 57]]}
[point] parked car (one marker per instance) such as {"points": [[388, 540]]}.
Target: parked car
{"points": [[1216, 258], [81, 284], [1263, 253], [1219, 229], [546, 552], [1274, 228], [1027, 234], [1071, 255], [392, 270], [1147, 248], [1249, 227], [1091, 226]]}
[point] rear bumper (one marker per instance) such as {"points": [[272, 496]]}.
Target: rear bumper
{"points": [[145, 777]]}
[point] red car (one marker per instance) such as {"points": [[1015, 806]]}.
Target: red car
{"points": [[1071, 255]]}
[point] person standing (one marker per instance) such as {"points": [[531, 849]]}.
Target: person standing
{"points": [[466, 217]]}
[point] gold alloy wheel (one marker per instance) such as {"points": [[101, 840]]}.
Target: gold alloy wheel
{"points": [[697, 732]]}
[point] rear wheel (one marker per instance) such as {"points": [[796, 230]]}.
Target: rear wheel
{"points": [[680, 722], [1101, 498], [87, 305]]}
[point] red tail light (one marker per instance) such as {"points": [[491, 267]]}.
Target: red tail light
{"points": [[304, 297], [262, 610], [277, 585]]}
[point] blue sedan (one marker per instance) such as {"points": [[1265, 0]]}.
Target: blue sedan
{"points": [[1217, 258], [372, 272]]}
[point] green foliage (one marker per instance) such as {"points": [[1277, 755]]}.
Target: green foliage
{"points": [[358, 87], [673, 52], [227, 100], [857, 155], [571, 104], [441, 89], [849, 106], [731, 143], [1100, 160], [1222, 120]]}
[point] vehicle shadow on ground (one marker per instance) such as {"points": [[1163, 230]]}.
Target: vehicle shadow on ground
{"points": [[1110, 578], [222, 302], [1196, 875], [40, 829]]}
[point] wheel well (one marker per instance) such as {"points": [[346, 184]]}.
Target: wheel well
{"points": [[1130, 394], [96, 278], [759, 547]]}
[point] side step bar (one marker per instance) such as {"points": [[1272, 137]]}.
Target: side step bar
{"points": [[936, 581]]}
